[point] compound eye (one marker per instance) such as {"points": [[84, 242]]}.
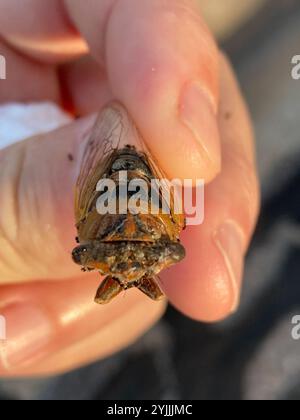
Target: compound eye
{"points": [[177, 252], [78, 252]]}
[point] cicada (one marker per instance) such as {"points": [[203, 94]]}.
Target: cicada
{"points": [[129, 248]]}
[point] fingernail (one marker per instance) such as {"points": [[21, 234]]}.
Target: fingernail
{"points": [[28, 332], [230, 241], [198, 113]]}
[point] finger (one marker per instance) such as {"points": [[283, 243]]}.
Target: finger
{"points": [[206, 286], [42, 30], [27, 80], [37, 183], [54, 326], [172, 92], [80, 87], [165, 71], [168, 84], [85, 87]]}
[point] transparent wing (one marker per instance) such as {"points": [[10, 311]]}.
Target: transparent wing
{"points": [[178, 219], [108, 135], [113, 130]]}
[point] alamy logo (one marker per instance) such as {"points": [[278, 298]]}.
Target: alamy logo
{"points": [[2, 67], [161, 196], [296, 67], [296, 328], [2, 328]]}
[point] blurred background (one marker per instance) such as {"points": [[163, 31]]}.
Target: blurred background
{"points": [[252, 355]]}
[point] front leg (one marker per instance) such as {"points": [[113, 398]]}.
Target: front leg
{"points": [[150, 288], [108, 290]]}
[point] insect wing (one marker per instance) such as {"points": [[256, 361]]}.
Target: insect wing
{"points": [[108, 134], [166, 192]]}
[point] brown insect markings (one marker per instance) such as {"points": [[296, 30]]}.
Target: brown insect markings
{"points": [[130, 249]]}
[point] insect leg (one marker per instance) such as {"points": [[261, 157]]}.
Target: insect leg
{"points": [[150, 287], [108, 290]]}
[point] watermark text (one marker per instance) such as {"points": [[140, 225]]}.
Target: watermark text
{"points": [[2, 328], [2, 67], [296, 67], [138, 196], [296, 328]]}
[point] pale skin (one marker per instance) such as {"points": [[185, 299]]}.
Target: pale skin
{"points": [[189, 109]]}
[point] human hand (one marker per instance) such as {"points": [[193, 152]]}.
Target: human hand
{"points": [[158, 59]]}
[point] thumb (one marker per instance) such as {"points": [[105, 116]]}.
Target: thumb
{"points": [[162, 63], [37, 178], [160, 60]]}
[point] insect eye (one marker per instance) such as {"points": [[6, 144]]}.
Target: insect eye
{"points": [[78, 253]]}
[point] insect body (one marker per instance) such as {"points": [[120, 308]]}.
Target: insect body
{"points": [[129, 248]]}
